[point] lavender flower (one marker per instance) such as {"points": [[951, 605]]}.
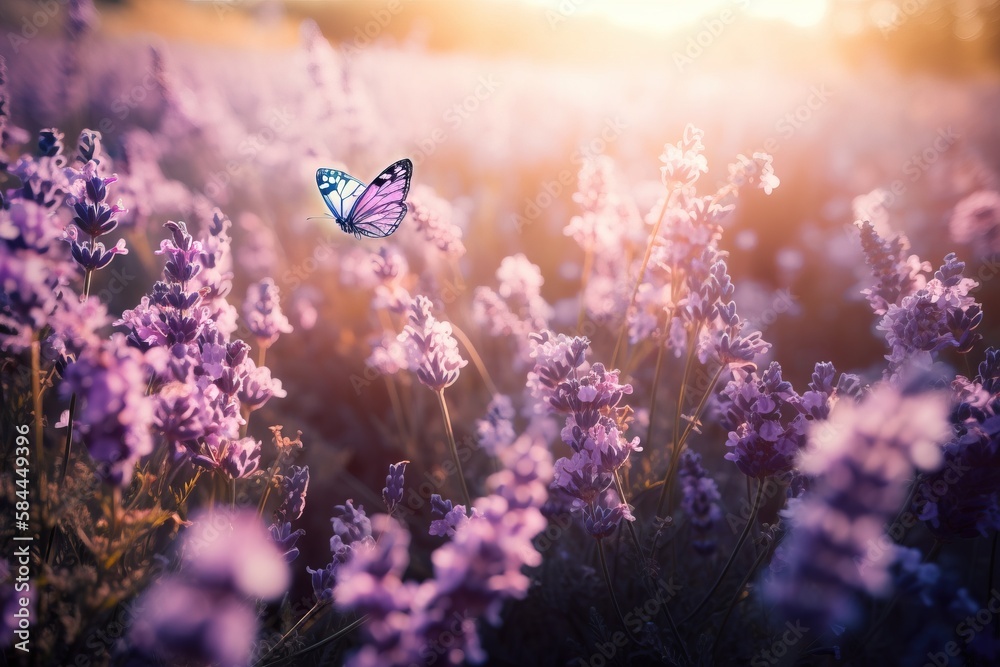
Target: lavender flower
{"points": [[961, 500], [294, 487], [768, 429], [432, 216], [473, 573], [432, 352], [684, 161], [700, 496], [449, 518], [860, 458], [896, 273], [390, 268], [262, 312], [205, 611], [352, 535], [976, 221], [496, 430], [556, 356], [517, 307], [284, 538], [242, 457], [938, 316], [93, 216], [259, 387], [350, 525], [392, 494], [758, 169], [594, 428], [115, 415]]}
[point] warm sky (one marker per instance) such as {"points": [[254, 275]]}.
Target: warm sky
{"points": [[662, 15]]}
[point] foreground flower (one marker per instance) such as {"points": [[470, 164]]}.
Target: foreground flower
{"points": [[474, 573], [116, 415], [976, 221], [432, 352], [205, 612], [262, 312], [860, 459]]}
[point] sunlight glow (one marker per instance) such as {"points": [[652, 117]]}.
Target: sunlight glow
{"points": [[660, 16]]}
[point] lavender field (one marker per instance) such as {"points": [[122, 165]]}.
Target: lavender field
{"points": [[500, 332]]}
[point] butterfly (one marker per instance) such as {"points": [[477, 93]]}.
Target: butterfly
{"points": [[374, 210]]}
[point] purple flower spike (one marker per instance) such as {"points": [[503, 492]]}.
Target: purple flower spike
{"points": [[242, 458], [449, 518], [392, 494], [285, 538], [432, 352], [116, 414], [860, 459], [603, 521], [294, 487], [700, 501], [262, 312], [206, 613]]}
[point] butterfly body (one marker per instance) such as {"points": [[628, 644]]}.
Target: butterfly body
{"points": [[374, 210]]}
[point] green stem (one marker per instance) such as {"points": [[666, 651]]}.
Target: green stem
{"points": [[288, 634], [611, 589], [666, 491], [638, 550], [476, 359], [930, 555], [652, 395], [267, 485], [397, 409], [638, 280], [69, 438], [736, 550], [668, 477], [739, 591], [87, 279], [334, 637], [454, 448]]}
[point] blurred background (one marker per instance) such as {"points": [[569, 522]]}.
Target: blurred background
{"points": [[497, 102]]}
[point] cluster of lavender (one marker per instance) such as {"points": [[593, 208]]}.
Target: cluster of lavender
{"points": [[208, 383], [205, 611], [859, 460], [595, 425], [434, 622], [770, 421]]}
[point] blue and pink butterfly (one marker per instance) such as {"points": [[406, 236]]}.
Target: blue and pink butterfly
{"points": [[374, 210]]}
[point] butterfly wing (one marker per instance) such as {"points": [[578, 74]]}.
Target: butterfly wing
{"points": [[381, 207], [340, 191]]}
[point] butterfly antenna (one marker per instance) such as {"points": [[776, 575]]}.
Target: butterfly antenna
{"points": [[317, 217]]}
